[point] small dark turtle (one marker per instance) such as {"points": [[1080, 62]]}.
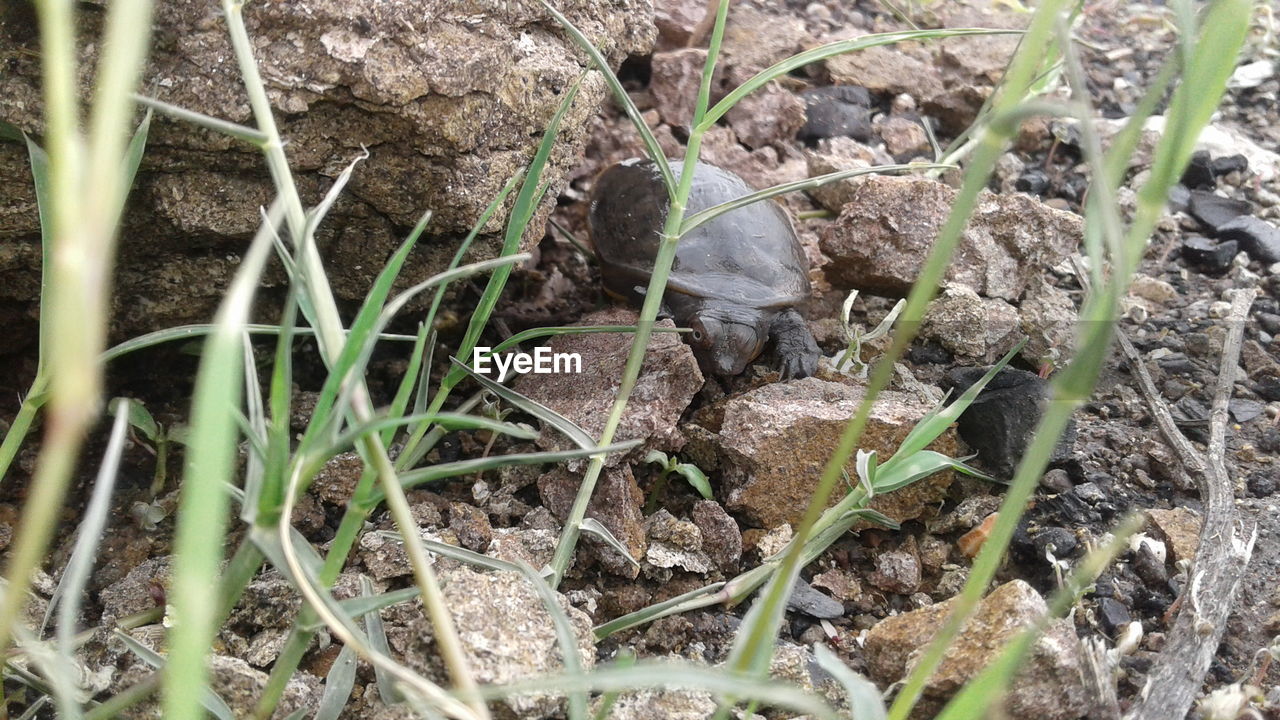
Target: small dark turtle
{"points": [[736, 281]]}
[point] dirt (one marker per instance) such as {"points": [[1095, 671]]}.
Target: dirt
{"points": [[1117, 463]]}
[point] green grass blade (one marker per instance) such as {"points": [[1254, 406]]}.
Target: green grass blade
{"points": [[365, 604], [198, 330], [652, 148], [413, 478], [253, 136], [210, 464], [716, 211], [338, 684], [378, 641], [591, 526], [773, 72]]}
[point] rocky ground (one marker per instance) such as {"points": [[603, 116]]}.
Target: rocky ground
{"points": [[877, 595]]}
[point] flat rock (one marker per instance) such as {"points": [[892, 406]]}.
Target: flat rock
{"points": [[1179, 528], [506, 632], [1002, 419], [806, 600], [773, 442], [615, 503], [1259, 238], [1209, 256], [886, 70], [886, 229], [1049, 684], [668, 381], [1214, 211]]}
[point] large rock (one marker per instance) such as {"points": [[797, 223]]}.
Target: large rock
{"points": [[506, 632], [615, 503], [668, 381], [773, 442], [449, 98], [1048, 685], [888, 225]]}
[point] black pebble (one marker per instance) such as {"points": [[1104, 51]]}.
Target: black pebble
{"points": [[1261, 484], [1257, 237], [1268, 388], [836, 111], [1176, 363], [1199, 172], [1033, 181], [1112, 615], [1213, 258], [1001, 420], [1063, 541], [1230, 164], [1215, 211]]}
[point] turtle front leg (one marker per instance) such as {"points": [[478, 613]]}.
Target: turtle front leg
{"points": [[794, 345]]}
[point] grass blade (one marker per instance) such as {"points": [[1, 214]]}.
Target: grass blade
{"points": [[552, 418], [337, 686]]}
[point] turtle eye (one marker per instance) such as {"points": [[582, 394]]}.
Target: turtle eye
{"points": [[703, 333]]}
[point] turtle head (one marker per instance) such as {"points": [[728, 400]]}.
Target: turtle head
{"points": [[726, 343]]}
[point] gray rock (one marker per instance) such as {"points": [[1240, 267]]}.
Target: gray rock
{"points": [[838, 154], [615, 503], [1209, 256], [1259, 238], [677, 75], [1001, 421], [805, 599], [668, 381], [836, 111], [889, 224], [970, 326], [449, 99], [1214, 210], [721, 537], [897, 571]]}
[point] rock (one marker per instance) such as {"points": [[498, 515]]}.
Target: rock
{"points": [[677, 21], [1179, 528], [1056, 480], [533, 546], [773, 442], [471, 525], [1258, 238], [897, 571], [1214, 211], [677, 74], [882, 69], [1059, 541], [1113, 615], [761, 168], [1000, 422], [1033, 181], [889, 224], [506, 632], [615, 503], [805, 599], [1048, 685], [721, 538], [140, 590], [903, 137], [1213, 258], [674, 544], [661, 704], [842, 585], [768, 115], [668, 381], [969, 326], [971, 542], [1179, 197], [1229, 164], [755, 38], [1244, 410], [449, 101], [837, 155], [1048, 321], [1199, 173], [1148, 288], [836, 111]]}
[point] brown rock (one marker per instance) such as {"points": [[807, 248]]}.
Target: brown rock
{"points": [[775, 440], [449, 98], [903, 137], [668, 381], [970, 326], [1180, 530], [721, 538], [677, 75], [897, 571], [761, 168], [893, 70], [1049, 684], [471, 525], [755, 38], [1048, 320], [837, 155], [767, 116], [677, 21], [615, 503], [886, 230]]}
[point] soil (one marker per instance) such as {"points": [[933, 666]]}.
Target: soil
{"points": [[1117, 463]]}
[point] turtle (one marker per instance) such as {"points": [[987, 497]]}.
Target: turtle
{"points": [[736, 281]]}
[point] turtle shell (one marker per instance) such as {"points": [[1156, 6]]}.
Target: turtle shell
{"points": [[749, 256]]}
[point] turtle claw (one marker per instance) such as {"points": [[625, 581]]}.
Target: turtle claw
{"points": [[794, 345]]}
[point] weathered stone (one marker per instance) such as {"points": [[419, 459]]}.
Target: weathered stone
{"points": [[675, 544], [970, 326], [533, 546], [471, 525], [768, 115], [668, 381], [775, 440], [887, 228], [838, 154], [1049, 684], [678, 21], [448, 98], [615, 503], [1048, 320], [836, 111], [755, 38], [897, 571], [676, 77], [1180, 530], [904, 138], [506, 632], [663, 704], [721, 538], [881, 69]]}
